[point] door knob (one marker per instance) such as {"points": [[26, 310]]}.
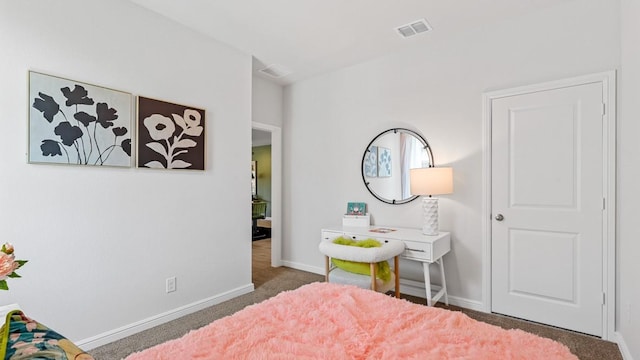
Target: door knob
{"points": [[499, 217]]}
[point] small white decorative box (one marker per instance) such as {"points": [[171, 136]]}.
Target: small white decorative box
{"points": [[356, 220]]}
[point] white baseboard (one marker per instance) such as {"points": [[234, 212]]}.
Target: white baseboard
{"points": [[622, 345], [303, 267], [144, 324], [416, 288]]}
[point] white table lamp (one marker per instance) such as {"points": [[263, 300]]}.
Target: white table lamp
{"points": [[427, 182]]}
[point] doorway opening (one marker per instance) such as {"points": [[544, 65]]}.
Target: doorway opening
{"points": [[266, 156]]}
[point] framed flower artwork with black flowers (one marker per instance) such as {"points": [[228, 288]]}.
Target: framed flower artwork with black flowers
{"points": [[170, 136], [71, 122]]}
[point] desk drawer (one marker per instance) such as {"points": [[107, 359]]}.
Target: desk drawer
{"points": [[417, 250], [331, 235]]}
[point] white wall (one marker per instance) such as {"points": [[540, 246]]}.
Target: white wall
{"points": [[105, 267], [435, 89], [266, 102], [628, 174]]}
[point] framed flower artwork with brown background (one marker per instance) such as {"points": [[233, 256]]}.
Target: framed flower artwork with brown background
{"points": [[170, 136]]}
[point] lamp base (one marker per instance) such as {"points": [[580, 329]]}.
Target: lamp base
{"points": [[430, 207]]}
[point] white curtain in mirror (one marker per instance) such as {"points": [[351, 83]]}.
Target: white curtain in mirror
{"points": [[412, 155]]}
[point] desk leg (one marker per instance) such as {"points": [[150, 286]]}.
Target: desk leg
{"points": [[427, 281], [444, 282]]}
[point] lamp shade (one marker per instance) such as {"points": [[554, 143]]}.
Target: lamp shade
{"points": [[431, 181]]}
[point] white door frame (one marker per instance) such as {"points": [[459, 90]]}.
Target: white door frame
{"points": [[608, 80], [276, 190]]}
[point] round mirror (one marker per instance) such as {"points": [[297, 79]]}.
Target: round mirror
{"points": [[387, 160]]}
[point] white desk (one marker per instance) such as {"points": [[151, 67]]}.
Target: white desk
{"points": [[419, 247]]}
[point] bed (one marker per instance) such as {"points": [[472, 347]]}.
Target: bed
{"points": [[331, 321]]}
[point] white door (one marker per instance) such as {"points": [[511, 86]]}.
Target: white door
{"points": [[547, 206]]}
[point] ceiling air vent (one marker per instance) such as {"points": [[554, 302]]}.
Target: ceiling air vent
{"points": [[275, 71], [413, 28]]}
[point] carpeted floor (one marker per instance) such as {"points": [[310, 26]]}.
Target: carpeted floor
{"points": [[270, 281]]}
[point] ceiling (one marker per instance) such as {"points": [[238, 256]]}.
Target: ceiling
{"points": [[312, 37]]}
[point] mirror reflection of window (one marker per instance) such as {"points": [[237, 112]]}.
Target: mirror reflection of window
{"points": [[414, 155]]}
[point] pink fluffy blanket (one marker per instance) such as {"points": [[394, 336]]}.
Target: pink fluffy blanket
{"points": [[329, 321]]}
